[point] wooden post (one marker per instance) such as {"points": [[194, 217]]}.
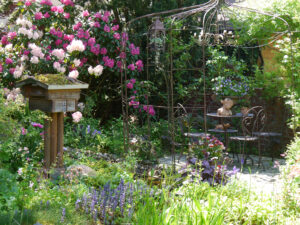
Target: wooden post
{"points": [[60, 138], [53, 137], [47, 141]]}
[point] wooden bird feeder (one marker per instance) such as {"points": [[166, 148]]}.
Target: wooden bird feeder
{"points": [[54, 94]]}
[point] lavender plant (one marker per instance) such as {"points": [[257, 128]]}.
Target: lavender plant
{"points": [[109, 204]]}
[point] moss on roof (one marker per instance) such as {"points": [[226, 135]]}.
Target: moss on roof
{"points": [[58, 79]]}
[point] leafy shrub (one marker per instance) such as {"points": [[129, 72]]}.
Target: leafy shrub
{"points": [[9, 191]]}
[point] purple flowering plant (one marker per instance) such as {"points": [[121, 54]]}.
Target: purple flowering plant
{"points": [[232, 86]]}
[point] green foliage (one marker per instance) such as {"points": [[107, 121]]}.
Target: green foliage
{"points": [[291, 176], [8, 190]]}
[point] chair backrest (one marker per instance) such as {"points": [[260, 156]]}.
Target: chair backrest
{"points": [[254, 121]]}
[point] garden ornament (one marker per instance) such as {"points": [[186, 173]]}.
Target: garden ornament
{"points": [[225, 109]]}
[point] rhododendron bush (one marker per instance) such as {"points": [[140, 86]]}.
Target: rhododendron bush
{"points": [[67, 39]]}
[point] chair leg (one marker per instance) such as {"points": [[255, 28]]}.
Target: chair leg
{"points": [[260, 163]]}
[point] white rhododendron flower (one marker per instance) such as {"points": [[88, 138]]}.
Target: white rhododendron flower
{"points": [[74, 74], [59, 53], [34, 60], [98, 70], [91, 70], [62, 69], [36, 51], [56, 65], [24, 58], [76, 45], [17, 74], [76, 62], [36, 35], [9, 47]]}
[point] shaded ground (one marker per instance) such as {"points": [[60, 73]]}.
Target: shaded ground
{"points": [[265, 180]]}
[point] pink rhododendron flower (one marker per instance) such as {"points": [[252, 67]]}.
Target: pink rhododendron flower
{"points": [[96, 24], [4, 40], [37, 125], [74, 74], [129, 85], [67, 2], [26, 52], [23, 131], [38, 16], [151, 110], [12, 35], [98, 15], [95, 49], [77, 116], [1, 68], [85, 13], [48, 58], [46, 2], [139, 65], [117, 36], [115, 27], [105, 19], [12, 70], [103, 51], [91, 41], [54, 8], [109, 63], [46, 15], [107, 13], [77, 26], [67, 15], [119, 64], [59, 34], [131, 67], [53, 31], [132, 81], [8, 61], [60, 9], [28, 3], [106, 28], [135, 51], [65, 45], [122, 55], [58, 42]]}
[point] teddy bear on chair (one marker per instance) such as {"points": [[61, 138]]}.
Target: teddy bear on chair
{"points": [[225, 109]]}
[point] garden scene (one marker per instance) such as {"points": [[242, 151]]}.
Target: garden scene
{"points": [[149, 112]]}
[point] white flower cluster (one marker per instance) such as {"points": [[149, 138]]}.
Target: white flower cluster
{"points": [[36, 52], [27, 29], [59, 53], [77, 62], [13, 95], [74, 74], [97, 71], [9, 48], [18, 71], [76, 45], [58, 67]]}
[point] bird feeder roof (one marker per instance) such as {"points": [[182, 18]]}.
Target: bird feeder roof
{"points": [[53, 82]]}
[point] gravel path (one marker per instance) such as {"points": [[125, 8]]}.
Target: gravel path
{"points": [[265, 180]]}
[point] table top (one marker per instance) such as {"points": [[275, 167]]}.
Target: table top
{"points": [[237, 115], [223, 131], [267, 134], [196, 135]]}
